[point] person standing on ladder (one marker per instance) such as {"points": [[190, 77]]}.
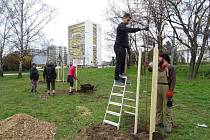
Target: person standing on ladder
{"points": [[166, 85], [121, 44]]}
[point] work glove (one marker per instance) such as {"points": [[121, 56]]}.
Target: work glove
{"points": [[169, 94]]}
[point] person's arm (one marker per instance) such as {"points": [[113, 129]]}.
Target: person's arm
{"points": [[172, 78], [131, 30], [55, 73], [127, 29]]}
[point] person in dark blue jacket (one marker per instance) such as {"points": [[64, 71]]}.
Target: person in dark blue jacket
{"points": [[50, 75], [121, 44], [34, 76]]}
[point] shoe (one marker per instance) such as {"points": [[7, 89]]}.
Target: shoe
{"points": [[160, 125], [122, 76], [119, 83], [32, 90], [53, 94], [169, 128], [48, 93]]}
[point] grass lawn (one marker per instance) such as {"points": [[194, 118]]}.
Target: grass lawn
{"points": [[191, 101]]}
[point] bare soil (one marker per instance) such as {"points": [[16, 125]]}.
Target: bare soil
{"points": [[107, 132], [25, 127]]}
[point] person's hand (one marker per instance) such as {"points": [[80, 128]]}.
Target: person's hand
{"points": [[170, 94], [76, 78]]}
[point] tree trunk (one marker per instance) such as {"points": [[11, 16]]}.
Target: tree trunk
{"points": [[1, 66], [20, 69], [198, 63], [21, 42], [1, 70], [192, 65]]}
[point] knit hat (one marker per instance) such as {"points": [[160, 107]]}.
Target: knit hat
{"points": [[127, 15], [165, 57]]}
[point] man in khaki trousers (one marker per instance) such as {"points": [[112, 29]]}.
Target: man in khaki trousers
{"points": [[166, 85]]}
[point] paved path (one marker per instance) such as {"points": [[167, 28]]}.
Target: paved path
{"points": [[14, 74]]}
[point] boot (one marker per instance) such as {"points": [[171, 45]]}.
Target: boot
{"points": [[32, 90]]}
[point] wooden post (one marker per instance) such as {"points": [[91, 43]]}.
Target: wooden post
{"points": [[58, 75], [154, 93], [63, 72], [76, 76], [137, 93]]}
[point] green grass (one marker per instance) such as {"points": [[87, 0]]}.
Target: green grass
{"points": [[191, 99]]}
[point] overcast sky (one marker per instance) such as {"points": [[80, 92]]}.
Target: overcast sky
{"points": [[73, 11]]}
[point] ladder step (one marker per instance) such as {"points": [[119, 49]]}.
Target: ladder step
{"points": [[127, 112], [111, 123], [113, 113], [129, 106], [129, 99], [129, 92], [119, 86], [115, 103], [118, 94]]}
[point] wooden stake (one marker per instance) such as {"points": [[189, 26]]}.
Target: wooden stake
{"points": [[154, 93], [137, 93]]}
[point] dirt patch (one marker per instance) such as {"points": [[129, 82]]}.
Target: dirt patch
{"points": [[84, 111], [25, 127], [107, 132]]}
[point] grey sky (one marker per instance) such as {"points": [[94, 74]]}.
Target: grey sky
{"points": [[73, 11]]}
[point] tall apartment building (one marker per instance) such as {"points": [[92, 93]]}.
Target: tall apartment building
{"points": [[84, 41]]}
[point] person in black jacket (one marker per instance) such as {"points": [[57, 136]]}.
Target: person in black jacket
{"points": [[34, 76], [50, 76], [121, 44]]}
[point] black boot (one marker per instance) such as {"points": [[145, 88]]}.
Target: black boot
{"points": [[32, 90]]}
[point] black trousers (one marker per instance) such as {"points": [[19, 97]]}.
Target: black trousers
{"points": [[120, 64], [51, 83]]}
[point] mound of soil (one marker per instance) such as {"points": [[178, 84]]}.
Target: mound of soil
{"points": [[107, 132], [25, 127]]}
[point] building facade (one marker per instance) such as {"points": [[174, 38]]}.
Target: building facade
{"points": [[84, 41], [57, 52]]}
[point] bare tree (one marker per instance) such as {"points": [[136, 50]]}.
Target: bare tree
{"points": [[4, 33], [193, 18], [27, 18]]}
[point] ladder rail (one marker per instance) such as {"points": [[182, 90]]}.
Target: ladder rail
{"points": [[107, 108], [121, 108]]}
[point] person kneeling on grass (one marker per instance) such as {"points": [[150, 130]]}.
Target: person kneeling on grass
{"points": [[34, 76], [50, 76], [71, 78]]}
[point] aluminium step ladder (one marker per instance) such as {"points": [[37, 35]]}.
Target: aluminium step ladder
{"points": [[120, 104]]}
